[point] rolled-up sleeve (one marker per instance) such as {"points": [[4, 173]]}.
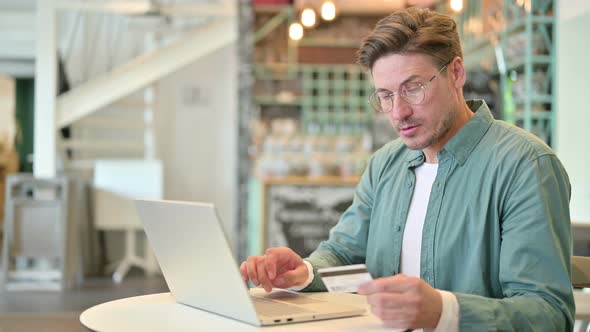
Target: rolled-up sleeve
{"points": [[348, 239]]}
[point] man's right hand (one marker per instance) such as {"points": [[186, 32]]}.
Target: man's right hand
{"points": [[278, 267]]}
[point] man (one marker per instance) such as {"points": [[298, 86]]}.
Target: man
{"points": [[464, 220]]}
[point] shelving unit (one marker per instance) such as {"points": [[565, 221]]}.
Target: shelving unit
{"points": [[335, 95], [315, 129], [326, 95], [533, 98], [514, 39]]}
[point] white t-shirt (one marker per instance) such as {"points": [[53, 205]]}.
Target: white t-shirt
{"points": [[412, 242], [412, 246]]}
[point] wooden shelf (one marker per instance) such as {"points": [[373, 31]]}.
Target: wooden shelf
{"points": [[274, 100], [313, 181]]}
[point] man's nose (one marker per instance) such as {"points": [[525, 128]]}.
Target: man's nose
{"points": [[401, 109]]}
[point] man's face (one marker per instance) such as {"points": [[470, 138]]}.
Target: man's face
{"points": [[429, 123]]}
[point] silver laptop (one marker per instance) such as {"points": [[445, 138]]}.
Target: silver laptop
{"points": [[197, 263]]}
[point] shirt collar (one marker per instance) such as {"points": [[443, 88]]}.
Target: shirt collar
{"points": [[462, 144], [414, 158]]}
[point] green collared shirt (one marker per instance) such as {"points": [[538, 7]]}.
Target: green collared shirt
{"points": [[496, 233]]}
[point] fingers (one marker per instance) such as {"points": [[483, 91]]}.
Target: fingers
{"points": [[397, 317], [401, 323], [392, 309], [387, 314], [252, 270], [292, 278], [263, 278], [385, 300], [404, 302], [397, 283], [263, 270], [280, 260], [244, 271], [271, 262]]}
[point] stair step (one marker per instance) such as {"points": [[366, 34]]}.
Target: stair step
{"points": [[113, 111], [101, 145], [128, 103], [110, 123]]}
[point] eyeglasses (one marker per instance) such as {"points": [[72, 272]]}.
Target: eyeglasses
{"points": [[412, 93]]}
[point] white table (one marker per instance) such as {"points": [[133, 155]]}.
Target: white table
{"points": [[159, 312], [582, 299]]}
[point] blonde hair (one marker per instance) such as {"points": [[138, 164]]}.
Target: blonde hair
{"points": [[413, 30]]}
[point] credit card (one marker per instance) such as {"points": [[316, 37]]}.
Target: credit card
{"points": [[345, 279]]}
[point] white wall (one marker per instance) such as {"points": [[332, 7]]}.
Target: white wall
{"points": [[196, 133], [573, 105]]}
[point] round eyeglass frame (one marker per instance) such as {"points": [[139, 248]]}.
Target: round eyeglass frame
{"points": [[376, 104]]}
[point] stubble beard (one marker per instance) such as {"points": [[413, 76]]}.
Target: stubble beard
{"points": [[438, 133]]}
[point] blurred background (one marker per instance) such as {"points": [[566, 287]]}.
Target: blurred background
{"points": [[256, 106]]}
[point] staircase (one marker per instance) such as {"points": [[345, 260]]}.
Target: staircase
{"points": [[112, 61], [112, 54], [122, 130]]}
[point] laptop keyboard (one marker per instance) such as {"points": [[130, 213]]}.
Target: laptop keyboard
{"points": [[272, 308]]}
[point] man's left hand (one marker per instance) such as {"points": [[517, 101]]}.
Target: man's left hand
{"points": [[404, 302]]}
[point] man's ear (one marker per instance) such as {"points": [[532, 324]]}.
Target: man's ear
{"points": [[457, 72]]}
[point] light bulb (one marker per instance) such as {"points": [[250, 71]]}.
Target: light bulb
{"points": [[308, 17], [328, 10], [295, 31], [457, 5]]}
